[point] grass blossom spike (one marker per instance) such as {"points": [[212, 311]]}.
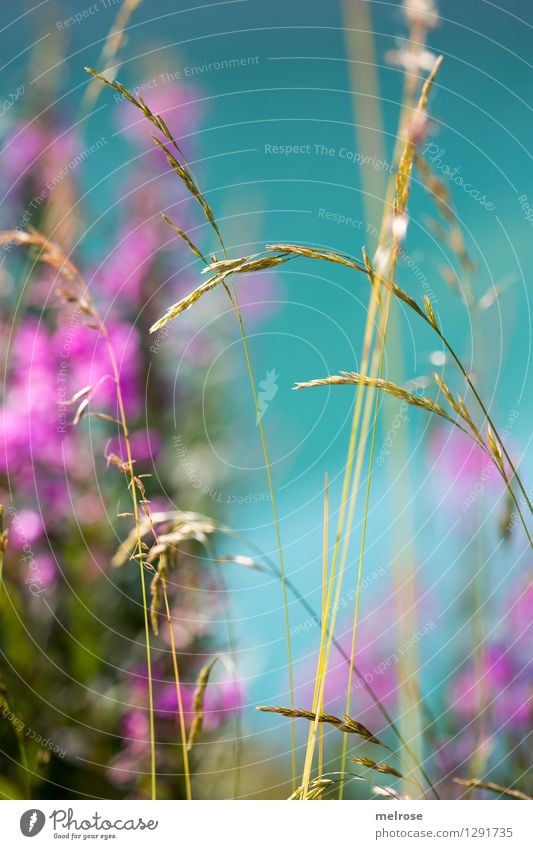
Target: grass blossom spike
{"points": [[345, 724], [224, 268], [198, 703], [181, 233], [187, 178], [78, 293], [386, 769], [428, 316], [494, 788], [317, 788], [352, 378], [112, 45]]}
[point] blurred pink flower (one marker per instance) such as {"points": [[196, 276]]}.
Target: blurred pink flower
{"points": [[259, 296], [461, 467], [222, 698], [136, 728], [26, 528], [521, 613], [145, 445], [375, 660], [87, 363], [40, 152], [28, 425], [500, 684], [20, 151], [128, 263], [178, 105]]}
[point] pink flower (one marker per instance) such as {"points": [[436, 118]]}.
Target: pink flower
{"points": [[145, 445], [259, 296], [462, 467], [85, 354], [40, 152], [26, 528], [499, 685], [28, 425], [136, 728], [375, 660], [178, 105], [21, 150], [40, 573], [122, 272], [222, 698], [521, 615]]}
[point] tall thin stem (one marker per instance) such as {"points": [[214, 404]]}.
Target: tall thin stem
{"points": [[302, 600], [183, 732], [189, 181], [320, 678], [139, 546], [275, 514], [487, 415]]}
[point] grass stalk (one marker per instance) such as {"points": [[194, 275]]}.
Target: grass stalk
{"points": [[325, 542], [403, 155], [277, 530], [140, 552], [183, 731], [179, 166], [232, 644], [488, 417], [309, 609], [358, 595], [321, 674], [52, 255]]}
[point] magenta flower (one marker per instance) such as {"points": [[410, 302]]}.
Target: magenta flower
{"points": [[20, 152], [40, 153], [260, 296], [520, 621], [26, 528], [128, 263], [145, 446], [136, 729], [222, 699], [499, 686], [376, 661], [83, 353], [179, 105], [460, 463]]}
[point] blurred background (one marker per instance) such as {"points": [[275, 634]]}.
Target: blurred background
{"points": [[287, 114]]}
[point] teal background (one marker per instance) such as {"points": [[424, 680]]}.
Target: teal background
{"points": [[299, 94]]}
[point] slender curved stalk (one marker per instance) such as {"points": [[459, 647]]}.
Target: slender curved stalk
{"points": [[320, 677], [358, 588], [325, 541], [186, 176], [221, 586], [52, 255], [276, 527], [183, 732], [398, 193], [309, 609], [391, 287], [487, 415], [140, 552]]}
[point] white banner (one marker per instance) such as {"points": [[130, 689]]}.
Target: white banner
{"points": [[267, 825]]}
